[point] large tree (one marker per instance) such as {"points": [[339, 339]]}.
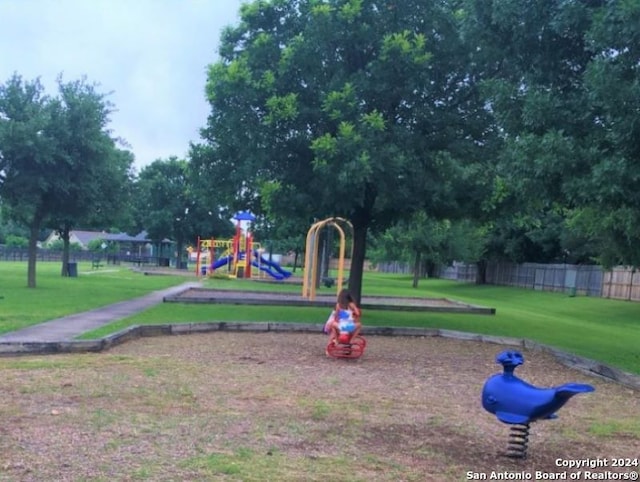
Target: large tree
{"points": [[343, 108], [169, 206], [607, 195], [562, 81], [94, 173], [59, 167], [27, 158]]}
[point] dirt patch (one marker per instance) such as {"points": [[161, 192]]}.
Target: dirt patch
{"points": [[269, 406]]}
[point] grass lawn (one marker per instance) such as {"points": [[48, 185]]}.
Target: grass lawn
{"points": [[55, 296], [596, 328], [600, 329]]}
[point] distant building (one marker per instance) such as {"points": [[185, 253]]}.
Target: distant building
{"points": [[81, 238], [139, 245]]}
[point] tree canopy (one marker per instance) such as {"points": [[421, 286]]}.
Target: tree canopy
{"points": [[562, 84], [519, 117], [58, 164], [514, 125], [169, 206], [343, 108], [94, 175]]}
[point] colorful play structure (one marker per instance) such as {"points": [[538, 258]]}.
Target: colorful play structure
{"points": [[518, 403], [230, 255]]}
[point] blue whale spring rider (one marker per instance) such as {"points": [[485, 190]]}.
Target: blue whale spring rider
{"points": [[514, 401]]}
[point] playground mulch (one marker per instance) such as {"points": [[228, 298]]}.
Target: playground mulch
{"points": [[272, 406]]}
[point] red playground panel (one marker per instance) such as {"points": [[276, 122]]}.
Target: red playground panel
{"points": [[347, 348]]}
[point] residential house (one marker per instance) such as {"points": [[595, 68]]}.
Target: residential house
{"points": [[128, 245]]}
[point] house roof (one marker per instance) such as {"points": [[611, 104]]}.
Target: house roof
{"points": [[85, 237], [141, 237], [126, 238]]}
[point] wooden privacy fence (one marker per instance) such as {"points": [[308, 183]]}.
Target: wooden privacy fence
{"points": [[570, 278], [622, 283]]}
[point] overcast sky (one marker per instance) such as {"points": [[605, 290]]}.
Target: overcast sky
{"points": [[151, 54]]}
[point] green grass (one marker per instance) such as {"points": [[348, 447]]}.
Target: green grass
{"points": [[596, 328], [55, 296], [248, 465]]}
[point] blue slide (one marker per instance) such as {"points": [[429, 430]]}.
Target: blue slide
{"points": [[266, 269], [270, 267], [221, 262]]}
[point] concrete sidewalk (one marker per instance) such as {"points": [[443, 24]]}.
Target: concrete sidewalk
{"points": [[69, 327]]}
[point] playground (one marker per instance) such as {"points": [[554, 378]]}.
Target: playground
{"points": [[271, 406], [249, 406], [239, 257]]}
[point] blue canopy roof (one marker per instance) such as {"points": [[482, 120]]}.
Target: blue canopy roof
{"points": [[244, 216]]}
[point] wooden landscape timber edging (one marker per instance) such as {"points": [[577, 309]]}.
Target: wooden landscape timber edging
{"points": [[582, 364], [265, 298]]}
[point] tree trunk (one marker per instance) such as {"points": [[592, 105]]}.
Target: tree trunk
{"points": [[481, 272], [360, 221], [417, 267], [296, 253], [179, 254], [64, 234], [327, 250], [431, 269], [34, 229], [357, 261]]}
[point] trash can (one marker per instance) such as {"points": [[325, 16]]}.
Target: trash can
{"points": [[203, 270], [72, 270]]}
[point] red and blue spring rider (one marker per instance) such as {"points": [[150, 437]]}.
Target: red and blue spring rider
{"points": [[345, 345]]}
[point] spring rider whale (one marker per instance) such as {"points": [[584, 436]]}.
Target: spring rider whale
{"points": [[518, 403]]}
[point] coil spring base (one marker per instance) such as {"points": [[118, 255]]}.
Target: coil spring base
{"points": [[518, 441]]}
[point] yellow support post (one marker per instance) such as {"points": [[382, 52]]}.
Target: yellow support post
{"points": [[311, 256]]}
